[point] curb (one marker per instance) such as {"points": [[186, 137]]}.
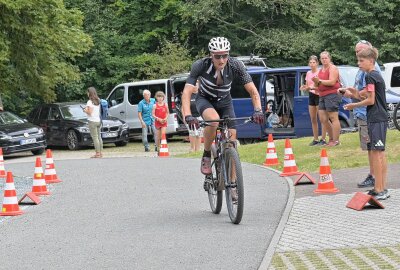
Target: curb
{"points": [[266, 261]]}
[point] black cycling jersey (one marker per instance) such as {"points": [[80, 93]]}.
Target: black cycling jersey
{"points": [[204, 71]]}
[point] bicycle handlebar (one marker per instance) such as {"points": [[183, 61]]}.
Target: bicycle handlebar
{"points": [[248, 119]]}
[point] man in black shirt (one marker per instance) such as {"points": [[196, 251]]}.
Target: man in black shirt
{"points": [[215, 75], [374, 97]]}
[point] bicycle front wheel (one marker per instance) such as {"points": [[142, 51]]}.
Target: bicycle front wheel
{"points": [[214, 180], [234, 190], [396, 116]]}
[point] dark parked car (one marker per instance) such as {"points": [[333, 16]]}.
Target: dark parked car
{"points": [[17, 135], [65, 124]]}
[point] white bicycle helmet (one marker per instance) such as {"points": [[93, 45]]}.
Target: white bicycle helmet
{"points": [[219, 44]]}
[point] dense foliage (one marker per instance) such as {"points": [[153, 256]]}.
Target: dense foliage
{"points": [[54, 49]]}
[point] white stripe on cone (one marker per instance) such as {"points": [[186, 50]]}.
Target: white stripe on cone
{"points": [[49, 160], [271, 145], [324, 161], [50, 172], [163, 150], [39, 182], [288, 151], [289, 163], [10, 200], [325, 178], [9, 186], [38, 170], [163, 142], [272, 155]]}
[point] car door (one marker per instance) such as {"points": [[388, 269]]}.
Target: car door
{"points": [[55, 125], [117, 104], [42, 122]]}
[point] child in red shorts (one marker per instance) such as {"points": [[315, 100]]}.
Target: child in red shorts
{"points": [[160, 114]]}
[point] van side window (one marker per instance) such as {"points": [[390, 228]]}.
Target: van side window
{"points": [[238, 90], [303, 82], [395, 80], [135, 94], [116, 97]]}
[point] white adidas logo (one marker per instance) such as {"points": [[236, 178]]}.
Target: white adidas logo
{"points": [[379, 143]]}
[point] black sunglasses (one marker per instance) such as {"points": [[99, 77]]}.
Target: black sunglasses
{"points": [[364, 42], [220, 56]]}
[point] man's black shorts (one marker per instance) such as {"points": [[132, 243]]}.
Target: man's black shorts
{"points": [[224, 108], [313, 99], [377, 135]]}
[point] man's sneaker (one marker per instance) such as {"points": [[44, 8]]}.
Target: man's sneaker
{"points": [[368, 182], [383, 195], [146, 149], [155, 149], [206, 166], [322, 142], [313, 143]]}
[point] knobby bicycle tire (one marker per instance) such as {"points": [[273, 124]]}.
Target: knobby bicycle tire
{"points": [[233, 169], [214, 193], [396, 116]]}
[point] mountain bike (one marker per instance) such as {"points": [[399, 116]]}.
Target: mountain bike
{"points": [[226, 172]]}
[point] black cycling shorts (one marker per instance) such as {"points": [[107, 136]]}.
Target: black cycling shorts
{"points": [[313, 99], [224, 107]]}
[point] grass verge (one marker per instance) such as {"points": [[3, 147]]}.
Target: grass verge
{"points": [[347, 155]]}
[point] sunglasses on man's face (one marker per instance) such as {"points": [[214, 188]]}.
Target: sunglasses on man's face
{"points": [[220, 56]]}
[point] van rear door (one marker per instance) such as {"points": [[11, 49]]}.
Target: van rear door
{"points": [[301, 114]]}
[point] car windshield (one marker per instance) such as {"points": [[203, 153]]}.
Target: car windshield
{"points": [[73, 112], [7, 118]]}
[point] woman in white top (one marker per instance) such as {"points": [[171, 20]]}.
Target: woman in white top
{"points": [[92, 109]]}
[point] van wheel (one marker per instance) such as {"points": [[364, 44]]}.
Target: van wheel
{"points": [[343, 123], [246, 141]]}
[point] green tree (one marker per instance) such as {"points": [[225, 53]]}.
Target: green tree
{"points": [[39, 43], [279, 30], [340, 24]]}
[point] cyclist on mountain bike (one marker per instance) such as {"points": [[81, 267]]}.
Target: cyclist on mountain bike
{"points": [[213, 101]]}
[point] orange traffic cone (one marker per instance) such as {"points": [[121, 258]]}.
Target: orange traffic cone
{"points": [[50, 174], [271, 158], [325, 184], [163, 147], [10, 201], [2, 170], [39, 184], [289, 164]]}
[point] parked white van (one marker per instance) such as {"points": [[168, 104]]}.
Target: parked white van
{"points": [[391, 75], [123, 103]]}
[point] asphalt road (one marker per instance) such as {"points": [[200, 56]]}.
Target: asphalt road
{"points": [[140, 213]]}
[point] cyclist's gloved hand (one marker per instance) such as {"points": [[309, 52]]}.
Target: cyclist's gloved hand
{"points": [[192, 122], [258, 117]]}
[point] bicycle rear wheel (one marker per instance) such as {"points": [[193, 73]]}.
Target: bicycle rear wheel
{"points": [[234, 190], [396, 116], [214, 193]]}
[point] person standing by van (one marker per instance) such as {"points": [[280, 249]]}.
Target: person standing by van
{"points": [[328, 83], [160, 114], [313, 100], [145, 108], [92, 109]]}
